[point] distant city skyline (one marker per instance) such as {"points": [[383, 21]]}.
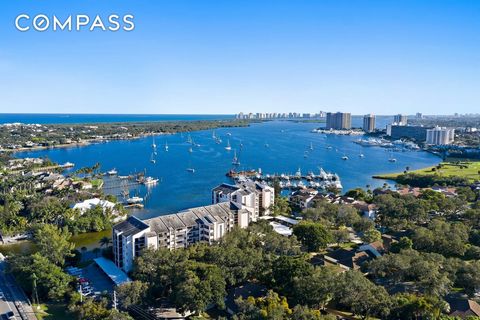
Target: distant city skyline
{"points": [[210, 57]]}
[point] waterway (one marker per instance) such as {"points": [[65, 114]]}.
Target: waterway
{"points": [[275, 147]]}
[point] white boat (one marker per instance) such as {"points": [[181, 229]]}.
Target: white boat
{"points": [[235, 160], [134, 200], [361, 155], [191, 170], [344, 158], [150, 180], [154, 146], [311, 146], [392, 160], [190, 150], [166, 146], [189, 140], [228, 147], [112, 172]]}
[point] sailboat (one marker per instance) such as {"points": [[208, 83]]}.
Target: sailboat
{"points": [[189, 139], [154, 146], [190, 150], [235, 160], [228, 147], [344, 157], [311, 146], [152, 159], [166, 146]]}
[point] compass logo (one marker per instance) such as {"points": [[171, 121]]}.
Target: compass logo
{"points": [[81, 22]]}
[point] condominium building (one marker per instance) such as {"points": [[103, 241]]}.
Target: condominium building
{"points": [[400, 119], [202, 224], [339, 121], [440, 136], [257, 198], [369, 123], [418, 133]]}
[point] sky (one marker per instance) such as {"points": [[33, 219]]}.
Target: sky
{"points": [[224, 57]]}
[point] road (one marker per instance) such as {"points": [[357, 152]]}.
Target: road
{"points": [[14, 297]]}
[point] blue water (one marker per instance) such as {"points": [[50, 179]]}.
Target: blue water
{"points": [[287, 142], [57, 118]]}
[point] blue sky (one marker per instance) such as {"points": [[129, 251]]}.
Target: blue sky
{"points": [[205, 56]]}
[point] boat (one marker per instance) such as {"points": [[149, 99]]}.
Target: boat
{"points": [[152, 158], [150, 181], [112, 172], [235, 160], [134, 200], [361, 155], [344, 158], [190, 150], [311, 146], [392, 160], [267, 145], [329, 147], [166, 146], [229, 134], [154, 146], [189, 140], [228, 147], [191, 170]]}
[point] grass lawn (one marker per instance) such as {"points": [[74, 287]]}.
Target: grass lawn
{"points": [[464, 169], [52, 312]]}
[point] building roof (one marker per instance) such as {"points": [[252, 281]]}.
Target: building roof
{"points": [[349, 258], [459, 306], [191, 217], [112, 271], [131, 226], [249, 289], [225, 188]]}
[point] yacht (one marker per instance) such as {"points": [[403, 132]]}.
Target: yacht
{"points": [[190, 150], [192, 170], [361, 155], [112, 172], [150, 181], [134, 200], [392, 160], [166, 146], [228, 147], [344, 158]]}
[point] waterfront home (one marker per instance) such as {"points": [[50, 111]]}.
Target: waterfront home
{"points": [[253, 196], [179, 230], [95, 202]]}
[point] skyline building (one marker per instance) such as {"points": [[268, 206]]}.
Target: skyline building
{"points": [[339, 121], [440, 136], [400, 119], [369, 123]]}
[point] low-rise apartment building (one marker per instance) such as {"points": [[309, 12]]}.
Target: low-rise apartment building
{"points": [[202, 224]]}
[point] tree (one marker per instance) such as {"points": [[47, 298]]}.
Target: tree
{"points": [[53, 243], [198, 285], [411, 307], [131, 293], [361, 296], [286, 269], [272, 306], [105, 241], [313, 236], [304, 313], [315, 289], [281, 206], [404, 243], [52, 283], [371, 235]]}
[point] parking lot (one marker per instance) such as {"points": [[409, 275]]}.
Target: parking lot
{"points": [[92, 280]]}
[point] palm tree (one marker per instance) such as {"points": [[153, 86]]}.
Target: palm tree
{"points": [[105, 241]]}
